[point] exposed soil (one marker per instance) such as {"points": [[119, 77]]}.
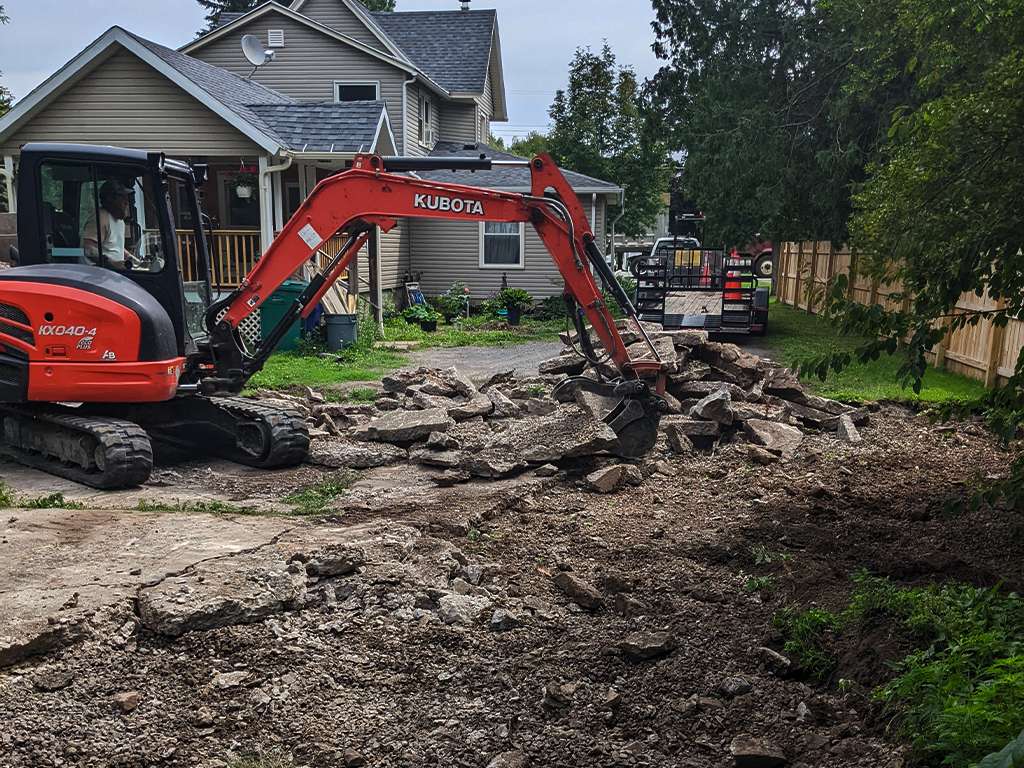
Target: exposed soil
{"points": [[371, 680]]}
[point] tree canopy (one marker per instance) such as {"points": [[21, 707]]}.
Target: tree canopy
{"points": [[606, 126]]}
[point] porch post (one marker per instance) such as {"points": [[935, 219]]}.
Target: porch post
{"points": [[376, 293], [266, 205], [12, 200], [278, 189]]}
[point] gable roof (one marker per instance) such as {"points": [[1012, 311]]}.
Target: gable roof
{"points": [[353, 126], [357, 9], [506, 178], [273, 121], [453, 47], [222, 92]]}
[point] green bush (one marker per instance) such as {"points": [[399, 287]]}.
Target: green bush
{"points": [[960, 695], [551, 308], [512, 299], [453, 303], [420, 313]]}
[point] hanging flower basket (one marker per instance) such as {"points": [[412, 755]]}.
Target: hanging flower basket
{"points": [[243, 191]]}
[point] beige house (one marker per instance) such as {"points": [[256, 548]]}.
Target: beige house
{"points": [[343, 80]]}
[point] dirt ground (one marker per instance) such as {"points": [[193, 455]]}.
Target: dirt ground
{"points": [[378, 674]]}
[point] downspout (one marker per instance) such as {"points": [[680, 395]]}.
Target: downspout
{"points": [[622, 212], [405, 111], [266, 197]]}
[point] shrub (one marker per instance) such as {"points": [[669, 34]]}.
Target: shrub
{"points": [[514, 298], [551, 308], [453, 303], [420, 313]]}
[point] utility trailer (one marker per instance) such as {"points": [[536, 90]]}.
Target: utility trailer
{"points": [[680, 284]]}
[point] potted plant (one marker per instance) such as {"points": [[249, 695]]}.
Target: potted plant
{"points": [[423, 315], [245, 184], [514, 301]]}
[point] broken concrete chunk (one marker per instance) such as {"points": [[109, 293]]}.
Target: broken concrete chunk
{"points": [[329, 560], [743, 369], [442, 441], [847, 431], [760, 455], [607, 479], [462, 609], [581, 592], [348, 454], [222, 592], [678, 441], [686, 389], [503, 406], [442, 459], [700, 433], [784, 383], [477, 405], [750, 752], [547, 470], [563, 364], [775, 437], [716, 406], [405, 426], [643, 646]]}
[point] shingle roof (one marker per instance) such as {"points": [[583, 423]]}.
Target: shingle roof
{"points": [[452, 47], [234, 92], [502, 177], [343, 127]]}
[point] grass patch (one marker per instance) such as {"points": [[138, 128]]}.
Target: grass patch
{"points": [[476, 331], [960, 694], [285, 370], [213, 507], [8, 498], [795, 336], [362, 395], [313, 499], [764, 584]]}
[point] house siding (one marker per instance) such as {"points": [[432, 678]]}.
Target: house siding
{"points": [[125, 102], [412, 140], [394, 255], [449, 251], [309, 64], [484, 111], [458, 122], [336, 15]]}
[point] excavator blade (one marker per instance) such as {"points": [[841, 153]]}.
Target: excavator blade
{"points": [[634, 417]]}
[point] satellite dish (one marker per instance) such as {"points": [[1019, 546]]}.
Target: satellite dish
{"points": [[254, 51]]}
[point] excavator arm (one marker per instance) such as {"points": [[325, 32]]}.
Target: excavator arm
{"points": [[376, 192]]}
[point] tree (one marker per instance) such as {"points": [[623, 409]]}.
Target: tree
{"points": [[531, 145], [753, 94], [379, 5], [214, 8], [605, 126], [5, 105]]}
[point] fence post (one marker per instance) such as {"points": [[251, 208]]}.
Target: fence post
{"points": [[851, 274], [812, 290], [799, 271], [995, 348], [940, 349]]}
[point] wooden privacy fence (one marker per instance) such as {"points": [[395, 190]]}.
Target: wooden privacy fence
{"points": [[983, 351]]}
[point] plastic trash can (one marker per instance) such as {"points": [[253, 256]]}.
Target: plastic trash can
{"points": [[274, 308], [342, 331]]}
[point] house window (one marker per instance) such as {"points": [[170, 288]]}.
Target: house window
{"points": [[426, 135], [501, 245], [353, 91]]}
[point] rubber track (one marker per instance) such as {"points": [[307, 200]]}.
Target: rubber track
{"points": [[127, 451], [289, 438]]}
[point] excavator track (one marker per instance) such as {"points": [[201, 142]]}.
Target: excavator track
{"points": [[97, 451], [234, 428]]}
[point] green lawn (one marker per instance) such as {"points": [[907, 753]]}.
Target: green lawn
{"points": [[287, 370], [476, 331], [795, 336]]}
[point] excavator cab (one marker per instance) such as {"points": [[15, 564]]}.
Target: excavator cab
{"points": [[131, 212]]}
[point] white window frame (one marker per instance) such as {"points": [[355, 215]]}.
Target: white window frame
{"points": [[374, 83], [506, 267], [423, 120]]}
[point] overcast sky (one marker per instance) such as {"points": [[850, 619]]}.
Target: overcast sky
{"points": [[538, 38]]}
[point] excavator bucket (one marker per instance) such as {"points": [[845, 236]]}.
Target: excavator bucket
{"points": [[634, 415]]}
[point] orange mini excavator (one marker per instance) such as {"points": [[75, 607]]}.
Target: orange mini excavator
{"points": [[110, 337]]}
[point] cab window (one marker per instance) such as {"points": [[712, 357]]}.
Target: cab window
{"points": [[103, 215]]}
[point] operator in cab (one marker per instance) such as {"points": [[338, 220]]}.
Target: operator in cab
{"points": [[115, 203]]}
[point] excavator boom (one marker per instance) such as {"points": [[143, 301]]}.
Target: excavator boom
{"points": [[376, 192]]}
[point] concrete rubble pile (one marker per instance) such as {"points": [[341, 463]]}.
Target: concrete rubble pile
{"points": [[716, 394]]}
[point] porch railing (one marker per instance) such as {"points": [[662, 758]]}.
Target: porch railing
{"points": [[233, 253]]}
